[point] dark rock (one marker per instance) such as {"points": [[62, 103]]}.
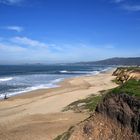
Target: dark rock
{"points": [[88, 128]]}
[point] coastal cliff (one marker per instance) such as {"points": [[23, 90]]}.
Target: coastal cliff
{"points": [[117, 115], [124, 74]]}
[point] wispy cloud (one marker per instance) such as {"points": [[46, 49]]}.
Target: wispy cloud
{"points": [[5, 47], [14, 28], [25, 49], [132, 8], [118, 1], [30, 50], [28, 42], [11, 2], [125, 5]]}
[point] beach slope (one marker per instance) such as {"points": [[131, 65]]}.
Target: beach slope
{"points": [[38, 114]]}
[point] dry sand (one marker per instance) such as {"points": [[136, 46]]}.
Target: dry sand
{"points": [[38, 115]]}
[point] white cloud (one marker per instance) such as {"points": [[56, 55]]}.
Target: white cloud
{"points": [[23, 49], [126, 6], [35, 51], [28, 42], [11, 2], [134, 8], [80, 52], [11, 48], [14, 28]]}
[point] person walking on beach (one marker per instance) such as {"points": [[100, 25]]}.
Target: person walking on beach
{"points": [[5, 97]]}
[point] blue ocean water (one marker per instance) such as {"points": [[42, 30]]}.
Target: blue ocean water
{"points": [[22, 78]]}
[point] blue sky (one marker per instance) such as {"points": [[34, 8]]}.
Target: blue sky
{"points": [[52, 31]]}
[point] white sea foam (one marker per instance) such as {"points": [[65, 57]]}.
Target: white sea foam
{"points": [[107, 69], [52, 84], [27, 90], [63, 71], [6, 79], [95, 72], [35, 82], [57, 80], [76, 72]]}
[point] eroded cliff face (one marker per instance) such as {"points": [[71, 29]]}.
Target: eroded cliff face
{"points": [[117, 117], [125, 74], [122, 109]]}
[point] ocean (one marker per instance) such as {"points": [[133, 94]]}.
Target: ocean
{"points": [[24, 78]]}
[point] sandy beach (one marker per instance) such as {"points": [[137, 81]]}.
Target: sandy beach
{"points": [[38, 115]]}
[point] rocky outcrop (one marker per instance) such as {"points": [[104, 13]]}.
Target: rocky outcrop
{"points": [[127, 73]]}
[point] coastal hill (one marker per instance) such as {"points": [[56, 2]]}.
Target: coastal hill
{"points": [[117, 114], [115, 61]]}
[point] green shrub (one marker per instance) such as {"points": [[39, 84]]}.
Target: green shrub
{"points": [[131, 87]]}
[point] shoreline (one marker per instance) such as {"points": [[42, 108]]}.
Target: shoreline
{"points": [[57, 85], [39, 113]]}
